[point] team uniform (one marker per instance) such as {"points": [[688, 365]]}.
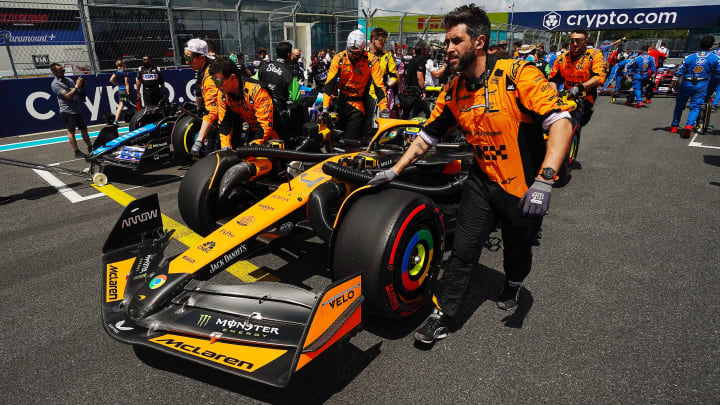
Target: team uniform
{"points": [[501, 117], [697, 70], [254, 106], [284, 89], [617, 74], [353, 81], [152, 83], [641, 67], [575, 72], [714, 84], [208, 98], [550, 59]]}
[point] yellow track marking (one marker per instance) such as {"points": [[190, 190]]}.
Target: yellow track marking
{"points": [[189, 238]]}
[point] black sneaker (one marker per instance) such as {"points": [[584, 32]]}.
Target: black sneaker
{"points": [[510, 295], [79, 155], [434, 328]]}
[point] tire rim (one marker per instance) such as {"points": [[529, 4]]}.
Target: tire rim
{"points": [[185, 136], [417, 261], [573, 149]]}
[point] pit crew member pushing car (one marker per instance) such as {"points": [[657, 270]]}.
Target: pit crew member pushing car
{"points": [[243, 100], [641, 68], [697, 69], [500, 104], [713, 93], [152, 83], [581, 70], [198, 57], [353, 71]]}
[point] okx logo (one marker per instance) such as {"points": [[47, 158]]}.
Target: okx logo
{"points": [[203, 320], [551, 20]]}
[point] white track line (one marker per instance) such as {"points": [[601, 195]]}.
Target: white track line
{"points": [[63, 188], [699, 144]]}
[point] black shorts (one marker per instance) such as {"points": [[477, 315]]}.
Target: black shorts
{"points": [[73, 121]]}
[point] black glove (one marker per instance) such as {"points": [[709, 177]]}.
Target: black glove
{"points": [[536, 201], [384, 114], [576, 90], [325, 115], [196, 148], [382, 177]]}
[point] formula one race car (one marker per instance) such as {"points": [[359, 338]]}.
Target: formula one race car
{"points": [[663, 79], [137, 150], [384, 244]]}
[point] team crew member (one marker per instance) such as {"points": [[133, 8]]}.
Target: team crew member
{"points": [[152, 82], [243, 100], [68, 95], [499, 103], [384, 58], [581, 69], [697, 69], [617, 73], [198, 57], [284, 89], [650, 81], [120, 79], [411, 98], [641, 68], [354, 71]]}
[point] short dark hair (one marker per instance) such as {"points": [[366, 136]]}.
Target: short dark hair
{"points": [[377, 33], [474, 18], [644, 48], [421, 46], [706, 42], [54, 67], [212, 47], [553, 48], [283, 49], [518, 44], [225, 66], [492, 48], [261, 50], [580, 31]]}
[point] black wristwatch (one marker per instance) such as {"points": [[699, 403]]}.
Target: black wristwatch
{"points": [[548, 173]]}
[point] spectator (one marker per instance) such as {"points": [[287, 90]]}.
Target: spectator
{"points": [[233, 57], [68, 95], [502, 45], [516, 47]]}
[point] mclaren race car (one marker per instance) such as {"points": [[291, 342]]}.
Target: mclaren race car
{"points": [[384, 242]]}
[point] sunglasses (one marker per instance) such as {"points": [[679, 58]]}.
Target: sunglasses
{"points": [[577, 41], [219, 81]]}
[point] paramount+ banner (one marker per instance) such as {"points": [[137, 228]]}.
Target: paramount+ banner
{"points": [[33, 106], [622, 19]]}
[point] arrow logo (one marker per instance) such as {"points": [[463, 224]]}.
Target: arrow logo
{"points": [[120, 326]]}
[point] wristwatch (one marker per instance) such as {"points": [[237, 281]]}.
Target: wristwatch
{"points": [[548, 173]]}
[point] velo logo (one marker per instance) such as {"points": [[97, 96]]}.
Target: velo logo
{"points": [[551, 20]]}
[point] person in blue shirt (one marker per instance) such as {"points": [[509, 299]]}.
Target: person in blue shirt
{"points": [[606, 46], [550, 57], [617, 74], [640, 68], [69, 94], [696, 70], [120, 79]]}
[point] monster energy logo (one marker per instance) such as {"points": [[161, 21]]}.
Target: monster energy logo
{"points": [[203, 321]]}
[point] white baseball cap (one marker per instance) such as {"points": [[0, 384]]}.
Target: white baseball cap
{"points": [[197, 45], [356, 40]]}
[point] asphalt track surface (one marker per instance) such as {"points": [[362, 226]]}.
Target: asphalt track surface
{"points": [[621, 306]]}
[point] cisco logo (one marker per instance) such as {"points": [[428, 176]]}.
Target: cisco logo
{"points": [[551, 20]]}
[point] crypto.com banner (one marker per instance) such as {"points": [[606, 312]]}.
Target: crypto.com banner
{"points": [[622, 19]]}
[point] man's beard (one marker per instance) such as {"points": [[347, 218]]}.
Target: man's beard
{"points": [[464, 61]]}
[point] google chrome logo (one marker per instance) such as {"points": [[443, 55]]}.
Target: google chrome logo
{"points": [[157, 281]]}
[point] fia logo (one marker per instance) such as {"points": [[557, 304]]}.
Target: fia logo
{"points": [[551, 20]]}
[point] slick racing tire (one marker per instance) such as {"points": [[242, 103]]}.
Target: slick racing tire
{"points": [[183, 136], [198, 194], [395, 238]]}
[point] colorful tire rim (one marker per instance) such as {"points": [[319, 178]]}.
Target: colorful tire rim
{"points": [[416, 264], [573, 150], [157, 281]]}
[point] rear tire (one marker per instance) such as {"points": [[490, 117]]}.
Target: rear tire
{"points": [[198, 194], [395, 238]]}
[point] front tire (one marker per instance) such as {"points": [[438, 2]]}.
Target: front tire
{"points": [[183, 136], [395, 238], [198, 194]]}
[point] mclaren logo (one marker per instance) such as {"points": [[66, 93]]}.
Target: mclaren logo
{"points": [[139, 218], [200, 351], [203, 320]]}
